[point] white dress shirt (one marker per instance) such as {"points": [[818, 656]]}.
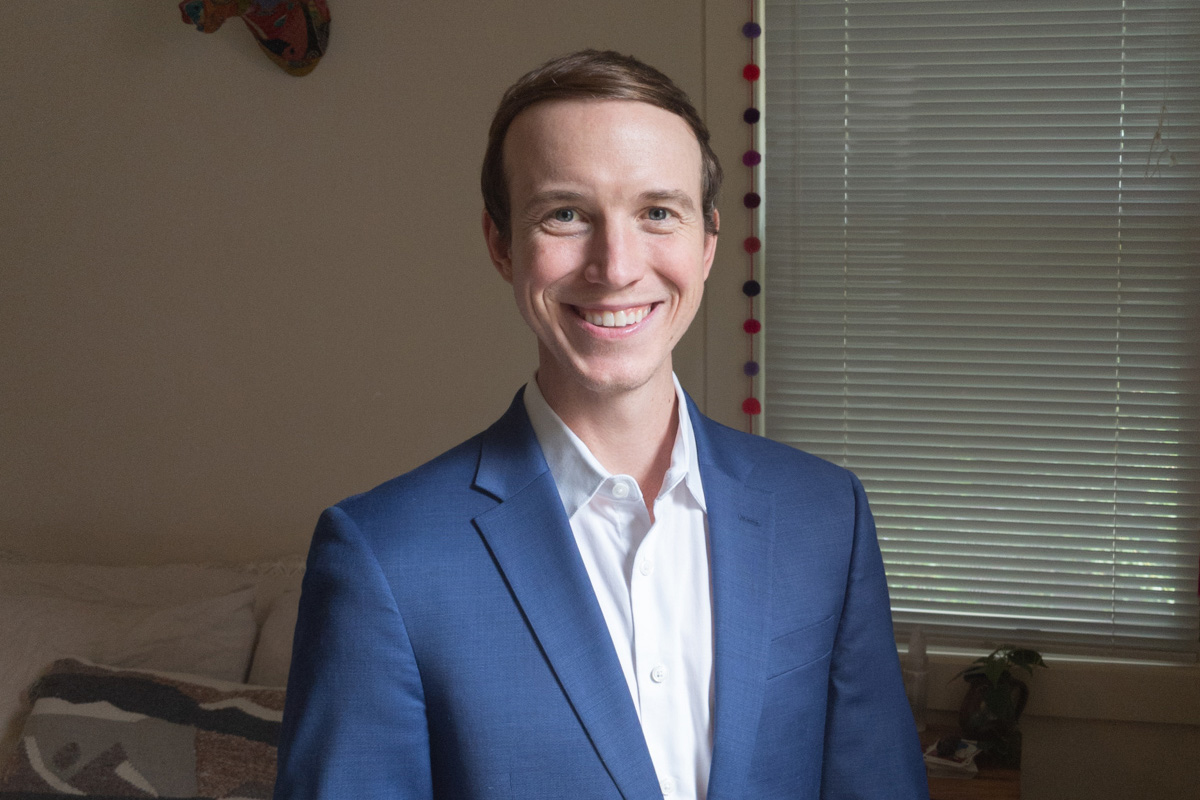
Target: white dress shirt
{"points": [[652, 583]]}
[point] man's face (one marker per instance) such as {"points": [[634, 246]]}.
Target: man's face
{"points": [[607, 254]]}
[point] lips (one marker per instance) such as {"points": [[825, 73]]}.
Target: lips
{"points": [[620, 318]]}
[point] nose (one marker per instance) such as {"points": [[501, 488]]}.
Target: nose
{"points": [[614, 258]]}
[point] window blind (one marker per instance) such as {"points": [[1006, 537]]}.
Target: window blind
{"points": [[982, 294]]}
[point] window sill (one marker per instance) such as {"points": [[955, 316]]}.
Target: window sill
{"points": [[1087, 689]]}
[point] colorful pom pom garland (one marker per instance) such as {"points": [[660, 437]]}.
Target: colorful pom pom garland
{"points": [[751, 159]]}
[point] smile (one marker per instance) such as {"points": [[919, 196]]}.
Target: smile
{"points": [[615, 319]]}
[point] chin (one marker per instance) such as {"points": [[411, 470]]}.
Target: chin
{"points": [[617, 381]]}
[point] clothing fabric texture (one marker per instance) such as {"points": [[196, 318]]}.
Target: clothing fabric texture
{"points": [[449, 644]]}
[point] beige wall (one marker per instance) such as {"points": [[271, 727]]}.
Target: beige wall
{"points": [[230, 297]]}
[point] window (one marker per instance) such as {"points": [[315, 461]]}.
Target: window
{"points": [[982, 294]]}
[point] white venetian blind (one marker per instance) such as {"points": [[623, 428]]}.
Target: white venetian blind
{"points": [[982, 294]]}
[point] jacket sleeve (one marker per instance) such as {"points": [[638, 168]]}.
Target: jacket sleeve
{"points": [[871, 746], [354, 723]]}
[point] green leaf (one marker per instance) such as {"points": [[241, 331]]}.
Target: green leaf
{"points": [[1026, 659]]}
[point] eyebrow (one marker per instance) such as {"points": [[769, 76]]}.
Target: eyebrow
{"points": [[670, 195], [552, 196]]}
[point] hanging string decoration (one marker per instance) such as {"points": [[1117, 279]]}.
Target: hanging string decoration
{"points": [[751, 73]]}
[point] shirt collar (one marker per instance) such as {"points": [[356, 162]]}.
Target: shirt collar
{"points": [[576, 471]]}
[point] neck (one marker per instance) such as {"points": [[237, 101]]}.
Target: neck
{"points": [[630, 432]]}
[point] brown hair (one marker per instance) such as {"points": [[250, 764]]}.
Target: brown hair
{"points": [[598, 75]]}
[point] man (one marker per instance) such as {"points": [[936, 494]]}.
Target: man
{"points": [[605, 594]]}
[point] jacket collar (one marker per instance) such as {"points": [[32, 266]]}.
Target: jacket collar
{"points": [[530, 538]]}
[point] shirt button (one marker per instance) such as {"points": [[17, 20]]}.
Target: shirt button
{"points": [[620, 490], [667, 786], [647, 566], [658, 674]]}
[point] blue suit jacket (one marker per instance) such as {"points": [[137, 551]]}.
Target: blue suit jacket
{"points": [[449, 643]]}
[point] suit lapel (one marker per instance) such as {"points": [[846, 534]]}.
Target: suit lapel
{"points": [[530, 537], [741, 526]]}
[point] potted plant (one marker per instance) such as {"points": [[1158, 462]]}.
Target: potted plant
{"points": [[994, 702]]}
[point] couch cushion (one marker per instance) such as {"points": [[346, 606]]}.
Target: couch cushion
{"points": [[212, 636], [149, 585], [273, 652]]}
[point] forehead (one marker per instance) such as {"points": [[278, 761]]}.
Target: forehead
{"points": [[604, 140]]}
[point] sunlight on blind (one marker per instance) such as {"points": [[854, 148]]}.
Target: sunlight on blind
{"points": [[983, 296]]}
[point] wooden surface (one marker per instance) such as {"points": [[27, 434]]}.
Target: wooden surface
{"points": [[990, 784]]}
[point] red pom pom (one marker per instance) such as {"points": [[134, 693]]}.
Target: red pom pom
{"points": [[752, 244], [751, 406], [752, 326], [751, 72]]}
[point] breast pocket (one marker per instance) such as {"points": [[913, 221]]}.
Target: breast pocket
{"points": [[801, 647]]}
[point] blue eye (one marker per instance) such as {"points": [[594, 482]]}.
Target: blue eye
{"points": [[564, 215], [658, 214]]}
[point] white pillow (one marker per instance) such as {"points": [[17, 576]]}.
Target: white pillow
{"points": [[210, 636], [160, 585], [273, 653], [157, 585]]}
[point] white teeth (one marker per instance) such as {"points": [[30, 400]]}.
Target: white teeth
{"points": [[617, 319]]}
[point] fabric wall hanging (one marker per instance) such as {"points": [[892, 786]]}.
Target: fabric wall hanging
{"points": [[293, 33]]}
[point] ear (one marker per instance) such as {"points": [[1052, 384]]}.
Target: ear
{"points": [[499, 247], [710, 244]]}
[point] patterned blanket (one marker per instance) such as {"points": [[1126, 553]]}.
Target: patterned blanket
{"points": [[105, 733]]}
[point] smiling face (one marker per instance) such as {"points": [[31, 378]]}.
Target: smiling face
{"points": [[607, 253]]}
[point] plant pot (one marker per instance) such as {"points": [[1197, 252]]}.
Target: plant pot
{"points": [[989, 714]]}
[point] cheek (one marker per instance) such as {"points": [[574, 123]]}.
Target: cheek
{"points": [[535, 291], [546, 263], [681, 254], [685, 270]]}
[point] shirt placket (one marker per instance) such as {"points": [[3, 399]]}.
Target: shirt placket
{"points": [[658, 673]]}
